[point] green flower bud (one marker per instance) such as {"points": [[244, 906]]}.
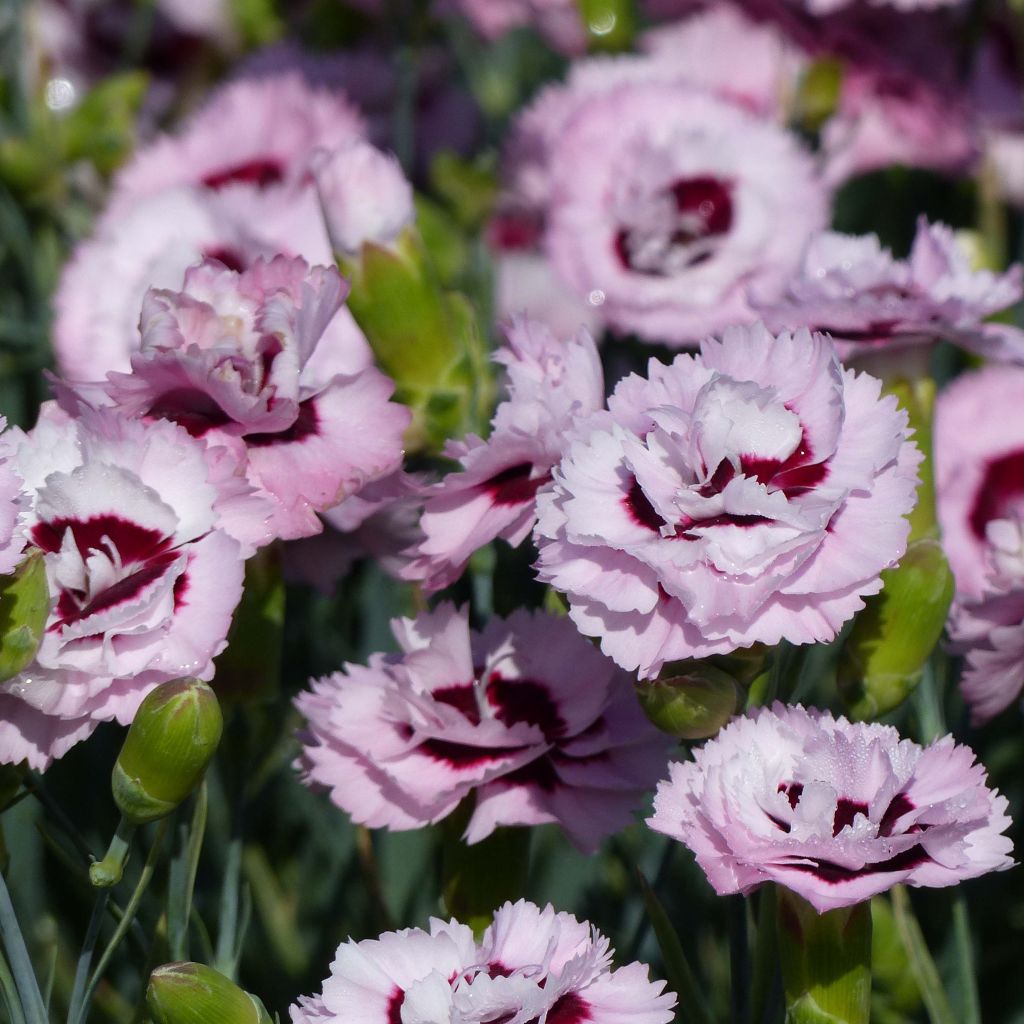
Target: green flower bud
{"points": [[692, 705], [187, 993], [175, 733]]}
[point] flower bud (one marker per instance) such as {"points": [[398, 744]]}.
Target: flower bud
{"points": [[187, 993], [364, 195], [175, 733], [692, 705]]}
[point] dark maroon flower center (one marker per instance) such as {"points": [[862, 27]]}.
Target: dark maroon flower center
{"points": [[231, 258], [793, 475], [1001, 492], [567, 1009], [703, 211], [515, 232], [145, 552], [261, 172], [190, 408], [306, 424], [514, 486]]}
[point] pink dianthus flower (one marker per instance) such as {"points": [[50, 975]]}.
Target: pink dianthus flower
{"points": [[853, 289], [133, 521], [979, 477], [835, 811], [551, 384], [530, 965], [751, 493], [526, 714], [244, 361]]}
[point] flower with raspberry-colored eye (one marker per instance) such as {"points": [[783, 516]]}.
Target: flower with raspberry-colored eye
{"points": [[666, 233], [245, 361], [551, 384], [835, 811], [526, 714], [135, 526], [531, 965], [979, 478], [867, 301], [751, 493]]}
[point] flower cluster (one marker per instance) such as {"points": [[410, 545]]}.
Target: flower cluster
{"points": [[531, 965], [526, 715]]}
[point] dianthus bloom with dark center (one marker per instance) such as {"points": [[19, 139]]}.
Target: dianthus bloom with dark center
{"points": [[531, 965], [526, 714], [834, 811], [751, 493]]}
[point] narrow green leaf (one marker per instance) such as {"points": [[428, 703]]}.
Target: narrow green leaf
{"points": [[24, 607], [921, 963]]}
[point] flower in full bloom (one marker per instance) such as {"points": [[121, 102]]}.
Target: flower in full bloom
{"points": [[364, 194], [751, 493], [666, 233], [234, 184], [245, 361], [551, 383], [132, 520], [979, 476], [526, 714], [835, 811], [530, 965], [854, 289]]}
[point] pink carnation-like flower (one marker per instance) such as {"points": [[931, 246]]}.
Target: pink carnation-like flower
{"points": [[888, 116], [751, 493], [559, 21], [530, 965], [143, 576], [364, 195], [979, 467], [527, 715], [835, 811], [551, 383], [254, 132], [855, 290], [244, 361], [665, 233]]}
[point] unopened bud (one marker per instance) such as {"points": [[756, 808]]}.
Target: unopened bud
{"points": [[187, 993], [175, 733], [692, 705]]}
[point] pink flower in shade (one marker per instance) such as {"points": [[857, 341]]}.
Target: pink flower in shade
{"points": [[551, 383], [887, 116], [531, 965], [12, 539], [979, 467], [665, 233], [364, 195], [243, 361], [855, 290], [751, 493], [835, 811], [559, 21], [526, 715], [132, 520], [254, 132]]}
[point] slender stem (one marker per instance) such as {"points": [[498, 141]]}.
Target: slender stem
{"points": [[107, 872], [642, 926], [227, 931], [20, 962], [183, 879], [367, 855], [99, 909], [766, 959], [970, 1010], [922, 965], [739, 959], [10, 993], [122, 929]]}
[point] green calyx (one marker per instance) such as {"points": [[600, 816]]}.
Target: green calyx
{"points": [[171, 741], [189, 993], [692, 702]]}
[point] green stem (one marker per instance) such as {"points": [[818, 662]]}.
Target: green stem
{"points": [[922, 965], [99, 909], [182, 882], [970, 1010], [227, 931], [122, 928], [20, 963], [766, 956], [109, 871], [739, 959]]}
